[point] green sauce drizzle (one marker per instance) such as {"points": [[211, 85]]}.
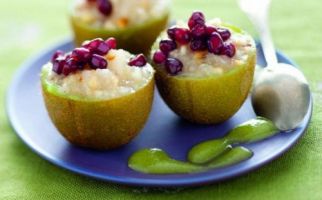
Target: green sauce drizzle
{"points": [[156, 161], [250, 131], [234, 156], [208, 150], [206, 155]]}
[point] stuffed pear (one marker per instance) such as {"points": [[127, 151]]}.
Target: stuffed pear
{"points": [[204, 69], [96, 95]]}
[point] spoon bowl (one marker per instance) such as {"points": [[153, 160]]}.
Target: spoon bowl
{"points": [[281, 94]]}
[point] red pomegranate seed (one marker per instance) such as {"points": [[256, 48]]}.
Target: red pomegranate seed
{"points": [[58, 65], [196, 18], [173, 66], [199, 31], [229, 50], [215, 43], [57, 54], [182, 35], [67, 70], [171, 33], [102, 49], [73, 64], [111, 43], [81, 54], [92, 44], [98, 62], [105, 7], [210, 30], [138, 61], [224, 33], [159, 57], [198, 45], [97, 46], [166, 46]]}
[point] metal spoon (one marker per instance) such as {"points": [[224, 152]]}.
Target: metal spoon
{"points": [[281, 92]]}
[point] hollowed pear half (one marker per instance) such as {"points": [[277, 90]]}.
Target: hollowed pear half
{"points": [[98, 124], [136, 39], [210, 99]]}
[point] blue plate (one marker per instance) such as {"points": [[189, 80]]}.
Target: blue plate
{"points": [[28, 116]]}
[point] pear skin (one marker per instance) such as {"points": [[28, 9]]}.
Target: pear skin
{"points": [[98, 124], [207, 100]]}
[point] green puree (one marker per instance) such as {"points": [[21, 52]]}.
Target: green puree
{"points": [[206, 155], [250, 131], [156, 161]]}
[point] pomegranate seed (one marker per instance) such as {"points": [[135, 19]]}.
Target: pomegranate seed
{"points": [[182, 35], [92, 44], [138, 61], [97, 46], [98, 62], [111, 43], [166, 46], [67, 70], [171, 33], [73, 64], [196, 18], [57, 54], [198, 45], [199, 31], [102, 49], [210, 30], [81, 54], [215, 43], [173, 66], [159, 57], [58, 65], [229, 50], [224, 33], [105, 7]]}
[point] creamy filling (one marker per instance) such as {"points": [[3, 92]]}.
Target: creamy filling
{"points": [[203, 63], [125, 13], [118, 79]]}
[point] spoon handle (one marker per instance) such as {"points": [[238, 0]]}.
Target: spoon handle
{"points": [[257, 11]]}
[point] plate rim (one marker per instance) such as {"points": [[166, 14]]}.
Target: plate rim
{"points": [[191, 181]]}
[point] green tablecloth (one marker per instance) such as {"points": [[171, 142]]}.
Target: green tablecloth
{"points": [[28, 26]]}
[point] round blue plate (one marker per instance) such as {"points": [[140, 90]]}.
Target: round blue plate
{"points": [[164, 130]]}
